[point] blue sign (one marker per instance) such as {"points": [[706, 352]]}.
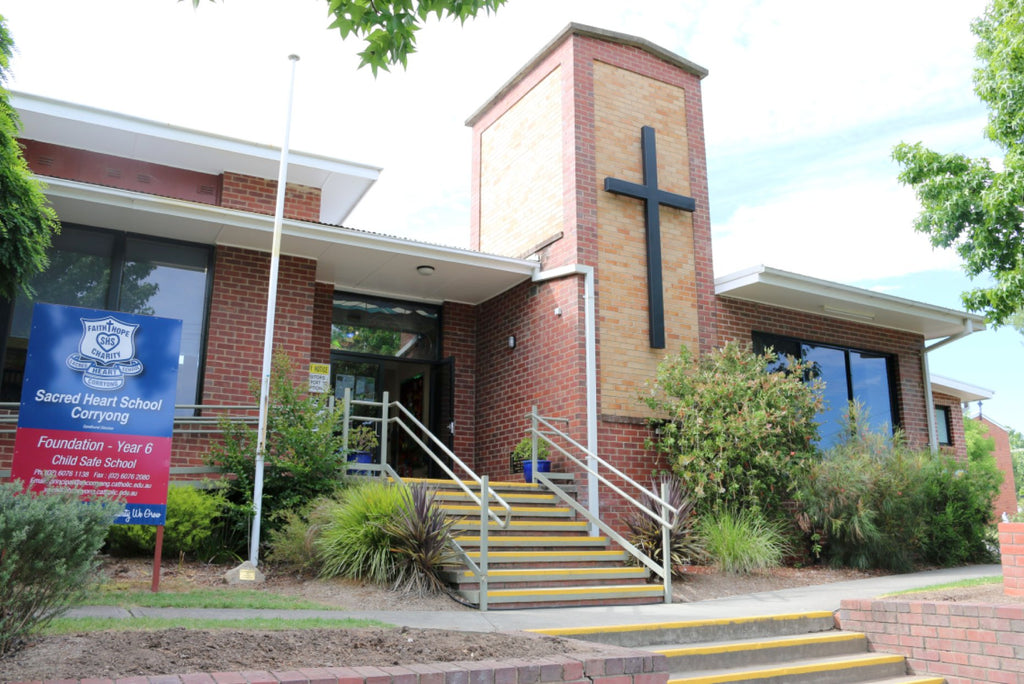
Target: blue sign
{"points": [[97, 407]]}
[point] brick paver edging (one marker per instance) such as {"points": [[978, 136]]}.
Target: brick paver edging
{"points": [[617, 666], [963, 642]]}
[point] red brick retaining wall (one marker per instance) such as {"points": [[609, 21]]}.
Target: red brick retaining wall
{"points": [[966, 643], [1011, 551], [625, 666]]}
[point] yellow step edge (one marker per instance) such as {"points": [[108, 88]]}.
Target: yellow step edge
{"points": [[548, 554], [688, 624], [818, 638], [504, 484], [547, 539], [569, 591], [557, 572], [791, 670], [515, 509]]}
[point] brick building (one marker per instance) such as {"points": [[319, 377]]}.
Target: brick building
{"points": [[586, 163]]}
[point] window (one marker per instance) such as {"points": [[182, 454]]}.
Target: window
{"points": [[383, 327], [942, 431], [848, 374], [102, 269]]}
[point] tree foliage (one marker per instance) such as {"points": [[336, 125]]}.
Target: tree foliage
{"points": [[388, 27], [27, 222], [967, 204], [734, 432]]}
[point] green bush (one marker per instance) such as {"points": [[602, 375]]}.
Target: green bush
{"points": [[304, 457], [48, 546], [872, 503], [421, 541], [355, 543], [732, 431], [192, 516], [295, 541], [743, 541], [685, 545]]}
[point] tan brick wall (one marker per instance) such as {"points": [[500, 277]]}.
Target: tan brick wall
{"points": [[625, 101], [521, 172]]}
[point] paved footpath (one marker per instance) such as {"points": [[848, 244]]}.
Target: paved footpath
{"points": [[798, 600]]}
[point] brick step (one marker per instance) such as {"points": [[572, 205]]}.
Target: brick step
{"points": [[565, 557], [761, 651], [519, 512], [563, 597], [847, 669], [532, 542], [553, 577]]}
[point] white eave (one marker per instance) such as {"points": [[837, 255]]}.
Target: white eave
{"points": [[773, 287], [342, 184], [964, 391], [348, 259]]}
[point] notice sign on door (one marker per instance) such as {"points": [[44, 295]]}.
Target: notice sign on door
{"points": [[97, 407]]}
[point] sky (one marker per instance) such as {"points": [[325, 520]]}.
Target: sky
{"points": [[802, 105]]}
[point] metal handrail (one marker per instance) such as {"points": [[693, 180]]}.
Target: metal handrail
{"points": [[663, 519]]}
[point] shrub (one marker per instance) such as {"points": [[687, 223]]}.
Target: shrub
{"points": [[872, 503], [743, 541], [355, 543], [192, 516], [732, 431], [48, 546], [303, 459], [684, 543], [421, 537], [295, 541]]}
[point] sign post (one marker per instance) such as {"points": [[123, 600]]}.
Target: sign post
{"points": [[97, 408]]}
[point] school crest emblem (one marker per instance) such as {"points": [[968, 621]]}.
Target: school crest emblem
{"points": [[106, 353]]}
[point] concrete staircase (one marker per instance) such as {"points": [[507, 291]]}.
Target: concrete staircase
{"points": [[781, 649], [546, 558]]}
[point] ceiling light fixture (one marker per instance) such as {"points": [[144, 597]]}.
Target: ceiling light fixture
{"points": [[425, 270]]}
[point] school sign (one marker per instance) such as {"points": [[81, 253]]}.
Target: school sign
{"points": [[97, 407]]}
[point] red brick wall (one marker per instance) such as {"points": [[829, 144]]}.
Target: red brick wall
{"points": [[459, 329], [965, 643], [1006, 502], [737, 319], [234, 350], [259, 195], [323, 309], [546, 368], [1011, 552], [958, 444]]}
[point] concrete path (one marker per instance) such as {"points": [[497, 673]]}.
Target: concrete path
{"points": [[802, 599]]}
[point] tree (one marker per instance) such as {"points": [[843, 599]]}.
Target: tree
{"points": [[966, 203], [389, 26], [27, 222]]}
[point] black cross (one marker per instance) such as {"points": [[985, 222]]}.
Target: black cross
{"points": [[653, 198]]}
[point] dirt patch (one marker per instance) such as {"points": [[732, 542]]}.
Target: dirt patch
{"points": [[182, 651], [986, 593]]}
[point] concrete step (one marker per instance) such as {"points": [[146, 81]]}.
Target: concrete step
{"points": [[524, 526], [761, 651], [544, 597], [471, 512], [847, 669], [700, 631], [554, 577], [513, 497], [567, 556], [532, 542]]}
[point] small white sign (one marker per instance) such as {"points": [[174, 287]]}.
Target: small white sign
{"points": [[319, 378]]}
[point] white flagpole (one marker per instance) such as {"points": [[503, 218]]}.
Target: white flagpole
{"points": [[268, 337]]}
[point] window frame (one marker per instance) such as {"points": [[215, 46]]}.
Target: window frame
{"points": [[117, 258]]}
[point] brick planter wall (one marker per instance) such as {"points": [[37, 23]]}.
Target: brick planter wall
{"points": [[966, 643], [1011, 551]]}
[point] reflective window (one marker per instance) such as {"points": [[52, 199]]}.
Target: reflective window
{"points": [[848, 375], [942, 425], [102, 269], [383, 327]]}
